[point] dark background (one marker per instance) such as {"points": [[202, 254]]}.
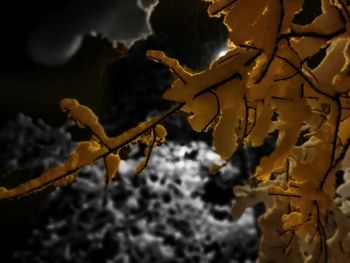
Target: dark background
{"points": [[36, 70]]}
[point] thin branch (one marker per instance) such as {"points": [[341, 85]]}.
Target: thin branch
{"points": [[287, 78], [221, 8], [275, 48], [323, 235], [285, 195], [246, 116], [235, 75], [305, 77], [313, 34], [216, 114], [224, 59], [333, 162], [28, 189], [289, 243], [254, 121], [250, 47], [149, 150]]}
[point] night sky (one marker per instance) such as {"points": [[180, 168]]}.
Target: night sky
{"points": [[46, 53], [51, 32]]}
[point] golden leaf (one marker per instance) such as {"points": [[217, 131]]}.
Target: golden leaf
{"points": [[225, 139], [112, 162]]}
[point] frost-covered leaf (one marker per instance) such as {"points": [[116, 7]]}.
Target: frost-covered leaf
{"points": [[334, 67], [325, 24]]}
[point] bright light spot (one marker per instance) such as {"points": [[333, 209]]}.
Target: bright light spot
{"points": [[265, 10], [222, 52]]}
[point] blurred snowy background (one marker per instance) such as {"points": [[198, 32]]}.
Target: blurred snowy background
{"points": [[93, 51]]}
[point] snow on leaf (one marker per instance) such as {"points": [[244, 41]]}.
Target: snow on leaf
{"points": [[84, 117], [290, 8], [325, 24], [331, 66], [263, 26], [161, 133], [305, 47]]}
